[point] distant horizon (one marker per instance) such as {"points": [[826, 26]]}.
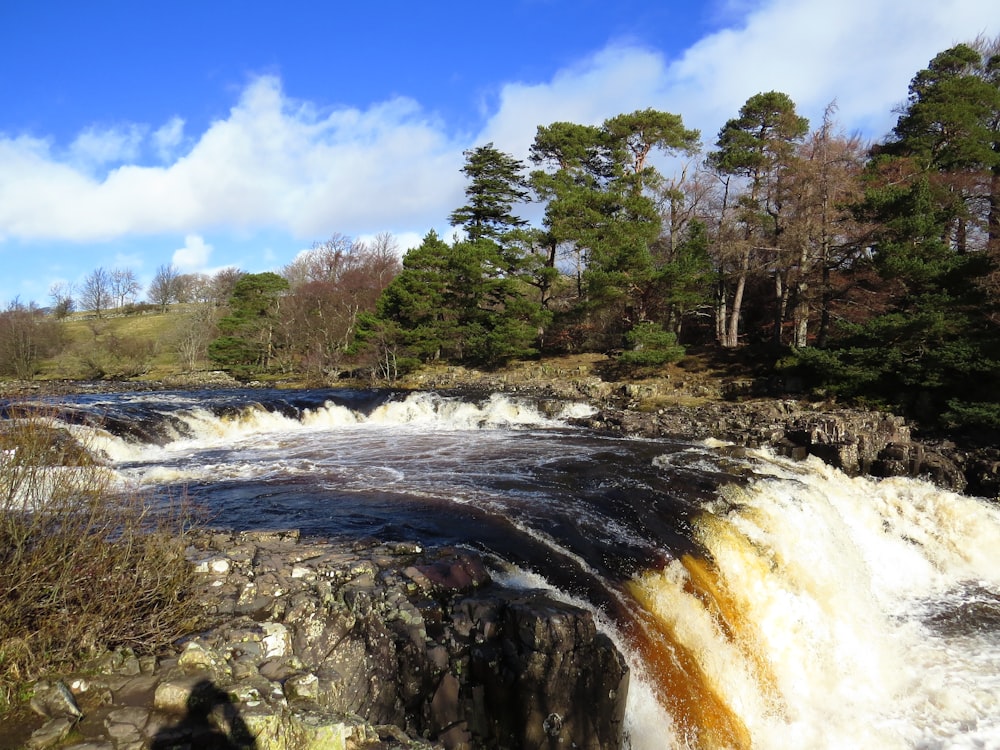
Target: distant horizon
{"points": [[230, 136]]}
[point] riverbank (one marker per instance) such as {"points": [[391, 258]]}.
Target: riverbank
{"points": [[372, 600], [353, 644]]}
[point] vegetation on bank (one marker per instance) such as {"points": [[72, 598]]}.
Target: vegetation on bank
{"points": [[868, 272], [84, 565]]}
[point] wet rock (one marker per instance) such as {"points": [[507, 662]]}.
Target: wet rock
{"points": [[854, 440]]}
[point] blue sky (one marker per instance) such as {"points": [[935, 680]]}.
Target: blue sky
{"points": [[216, 133]]}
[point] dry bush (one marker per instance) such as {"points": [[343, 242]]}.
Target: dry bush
{"points": [[84, 566]]}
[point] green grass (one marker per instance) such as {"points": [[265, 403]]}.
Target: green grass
{"points": [[118, 346]]}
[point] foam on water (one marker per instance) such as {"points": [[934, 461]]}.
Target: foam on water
{"points": [[811, 610]]}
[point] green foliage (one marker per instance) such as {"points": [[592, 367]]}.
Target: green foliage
{"points": [[972, 414], [687, 278], [760, 137], [650, 345], [464, 302], [496, 184], [597, 184], [247, 343]]}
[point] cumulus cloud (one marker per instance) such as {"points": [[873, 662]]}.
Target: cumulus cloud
{"points": [[859, 53], [272, 163], [275, 163], [167, 138], [193, 257], [614, 80], [96, 147], [862, 53]]}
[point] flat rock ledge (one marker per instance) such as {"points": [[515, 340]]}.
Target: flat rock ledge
{"points": [[350, 645], [857, 441]]}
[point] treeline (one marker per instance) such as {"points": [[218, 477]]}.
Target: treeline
{"points": [[868, 270]]}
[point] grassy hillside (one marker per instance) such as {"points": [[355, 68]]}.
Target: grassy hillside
{"points": [[143, 345]]}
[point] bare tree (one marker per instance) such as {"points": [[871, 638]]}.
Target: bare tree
{"points": [[125, 287], [95, 294], [61, 295], [163, 287], [325, 261], [195, 335], [26, 335], [194, 287], [223, 284]]}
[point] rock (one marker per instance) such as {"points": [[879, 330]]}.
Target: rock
{"points": [[550, 679], [54, 700], [854, 440], [374, 646], [50, 734]]}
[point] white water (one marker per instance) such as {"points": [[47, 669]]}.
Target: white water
{"points": [[834, 581], [850, 612], [255, 426]]}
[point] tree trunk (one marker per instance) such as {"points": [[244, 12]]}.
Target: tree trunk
{"points": [[731, 339]]}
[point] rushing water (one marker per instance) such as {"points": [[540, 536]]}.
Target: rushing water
{"points": [[760, 602]]}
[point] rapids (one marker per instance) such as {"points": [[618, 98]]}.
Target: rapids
{"points": [[760, 602]]}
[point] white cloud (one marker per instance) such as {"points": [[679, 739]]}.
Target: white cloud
{"points": [[193, 257], [168, 137], [96, 147], [862, 53], [274, 163], [613, 81]]}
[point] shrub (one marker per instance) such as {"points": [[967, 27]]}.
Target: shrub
{"points": [[84, 566], [649, 346]]}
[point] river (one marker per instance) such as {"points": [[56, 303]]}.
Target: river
{"points": [[760, 602]]}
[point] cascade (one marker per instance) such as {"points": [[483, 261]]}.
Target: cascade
{"points": [[761, 602]]}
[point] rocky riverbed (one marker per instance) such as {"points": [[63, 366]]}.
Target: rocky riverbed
{"points": [[372, 645], [318, 644]]}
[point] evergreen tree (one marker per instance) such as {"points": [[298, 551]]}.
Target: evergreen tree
{"points": [[933, 351], [247, 343], [462, 302], [598, 191], [496, 184], [759, 147]]}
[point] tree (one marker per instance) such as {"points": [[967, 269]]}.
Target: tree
{"points": [[193, 287], [461, 302], [223, 284], [951, 127], [635, 135], [61, 295], [26, 336], [247, 341], [324, 262], [686, 277], [333, 284], [823, 235], [124, 286], [496, 184], [930, 349], [417, 300], [598, 186], [758, 146], [164, 287], [95, 294], [194, 336]]}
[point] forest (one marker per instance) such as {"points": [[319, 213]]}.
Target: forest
{"points": [[870, 272]]}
